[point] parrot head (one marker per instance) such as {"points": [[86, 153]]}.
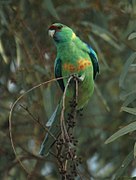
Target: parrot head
{"points": [[61, 33]]}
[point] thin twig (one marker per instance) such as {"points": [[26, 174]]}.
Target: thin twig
{"points": [[37, 121], [62, 119], [11, 112]]}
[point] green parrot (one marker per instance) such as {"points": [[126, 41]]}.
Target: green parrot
{"points": [[73, 57]]}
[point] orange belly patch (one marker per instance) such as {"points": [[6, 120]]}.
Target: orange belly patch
{"points": [[81, 65]]}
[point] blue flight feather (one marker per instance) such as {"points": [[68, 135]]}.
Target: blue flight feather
{"points": [[58, 72], [94, 60]]}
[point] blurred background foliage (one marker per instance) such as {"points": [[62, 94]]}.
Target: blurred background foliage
{"points": [[26, 59]]}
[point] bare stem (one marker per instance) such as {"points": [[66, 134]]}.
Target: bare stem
{"points": [[62, 119], [66, 142], [37, 121]]}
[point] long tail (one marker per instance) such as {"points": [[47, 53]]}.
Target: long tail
{"points": [[54, 129]]}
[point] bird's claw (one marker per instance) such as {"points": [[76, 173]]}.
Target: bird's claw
{"points": [[77, 77], [81, 78]]}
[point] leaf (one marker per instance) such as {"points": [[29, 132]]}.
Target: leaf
{"points": [[4, 2], [134, 150], [132, 36], [50, 6], [129, 128], [102, 98], [40, 69], [104, 34], [125, 178], [125, 69], [124, 166], [18, 51], [94, 43], [129, 110], [130, 98], [24, 7], [3, 16], [124, 95], [2, 52]]}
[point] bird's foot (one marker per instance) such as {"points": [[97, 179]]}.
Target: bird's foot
{"points": [[79, 78]]}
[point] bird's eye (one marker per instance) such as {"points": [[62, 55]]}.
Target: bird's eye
{"points": [[59, 27]]}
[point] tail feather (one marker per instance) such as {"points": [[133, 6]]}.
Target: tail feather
{"points": [[52, 118], [54, 129]]}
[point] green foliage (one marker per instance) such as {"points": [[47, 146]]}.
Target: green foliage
{"points": [[125, 130], [26, 59], [124, 166], [126, 69]]}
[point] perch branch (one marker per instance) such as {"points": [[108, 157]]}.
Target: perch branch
{"points": [[65, 144]]}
